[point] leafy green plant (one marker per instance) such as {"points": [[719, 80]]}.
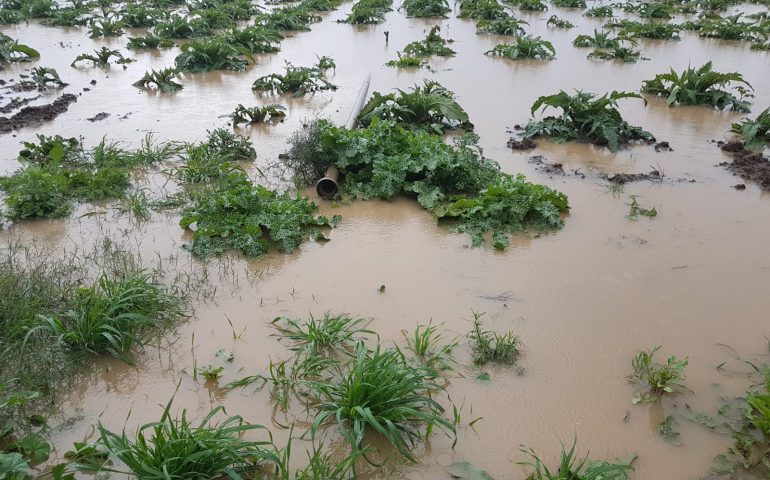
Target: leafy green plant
{"points": [[297, 80], [659, 378], [525, 47], [253, 40], [331, 333], [635, 210], [572, 467], [426, 8], [603, 11], [160, 80], [41, 77], [756, 132], [656, 30], [529, 5], [177, 448], [433, 44], [733, 28], [381, 391], [569, 3], [263, 114], [667, 429], [428, 107], [586, 118], [296, 18], [491, 346], [701, 86], [501, 26], [13, 51], [101, 58], [67, 17], [559, 22], [149, 41], [105, 28], [405, 61], [182, 27], [204, 55], [367, 12], [654, 9], [624, 54], [138, 16], [111, 316], [600, 39], [239, 215], [482, 10]]}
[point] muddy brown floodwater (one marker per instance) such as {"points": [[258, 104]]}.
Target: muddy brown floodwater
{"points": [[584, 299]]}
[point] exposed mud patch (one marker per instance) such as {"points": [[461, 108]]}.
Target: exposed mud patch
{"points": [[663, 146], [747, 164], [37, 114], [17, 103], [621, 178], [553, 168], [523, 144]]}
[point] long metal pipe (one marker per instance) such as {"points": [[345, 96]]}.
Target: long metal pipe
{"points": [[328, 186]]}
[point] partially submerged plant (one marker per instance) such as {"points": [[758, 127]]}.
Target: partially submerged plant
{"points": [[111, 316], [177, 448], [330, 333], [368, 12], [182, 27], [501, 26], [490, 346], [13, 51], [149, 41], [428, 345], [41, 77], [525, 47], [559, 22], [572, 467], [656, 30], [208, 54], [160, 80], [624, 54], [382, 392], [433, 44], [428, 107], [101, 58], [569, 3], [405, 61], [635, 210], [733, 28], [266, 113], [252, 40], [586, 118], [756, 132], [530, 5], [426, 8], [603, 11], [482, 10], [701, 86], [658, 377], [600, 39], [297, 80], [105, 28]]}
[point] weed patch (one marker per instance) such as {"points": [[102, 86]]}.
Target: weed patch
{"points": [[659, 378], [490, 346]]}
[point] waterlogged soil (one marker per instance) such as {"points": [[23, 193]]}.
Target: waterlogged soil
{"points": [[747, 164], [584, 299]]}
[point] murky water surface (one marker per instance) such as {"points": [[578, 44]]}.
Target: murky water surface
{"points": [[584, 299]]}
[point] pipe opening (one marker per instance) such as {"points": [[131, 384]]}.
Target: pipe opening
{"points": [[326, 188]]}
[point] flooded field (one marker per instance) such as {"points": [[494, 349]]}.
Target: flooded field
{"points": [[584, 299]]}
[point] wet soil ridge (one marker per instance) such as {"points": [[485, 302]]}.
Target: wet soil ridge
{"points": [[747, 164], [37, 114]]}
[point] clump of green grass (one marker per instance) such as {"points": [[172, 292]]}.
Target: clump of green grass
{"points": [[59, 171], [330, 333], [368, 12], [571, 467], [101, 58], [490, 346], [701, 86], [524, 47], [586, 118], [111, 316], [501, 26], [660, 378], [557, 22], [204, 55], [13, 51], [429, 107], [426, 8], [297, 80], [428, 345], [756, 132], [264, 114], [177, 448], [382, 392], [216, 158], [635, 210], [160, 80]]}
